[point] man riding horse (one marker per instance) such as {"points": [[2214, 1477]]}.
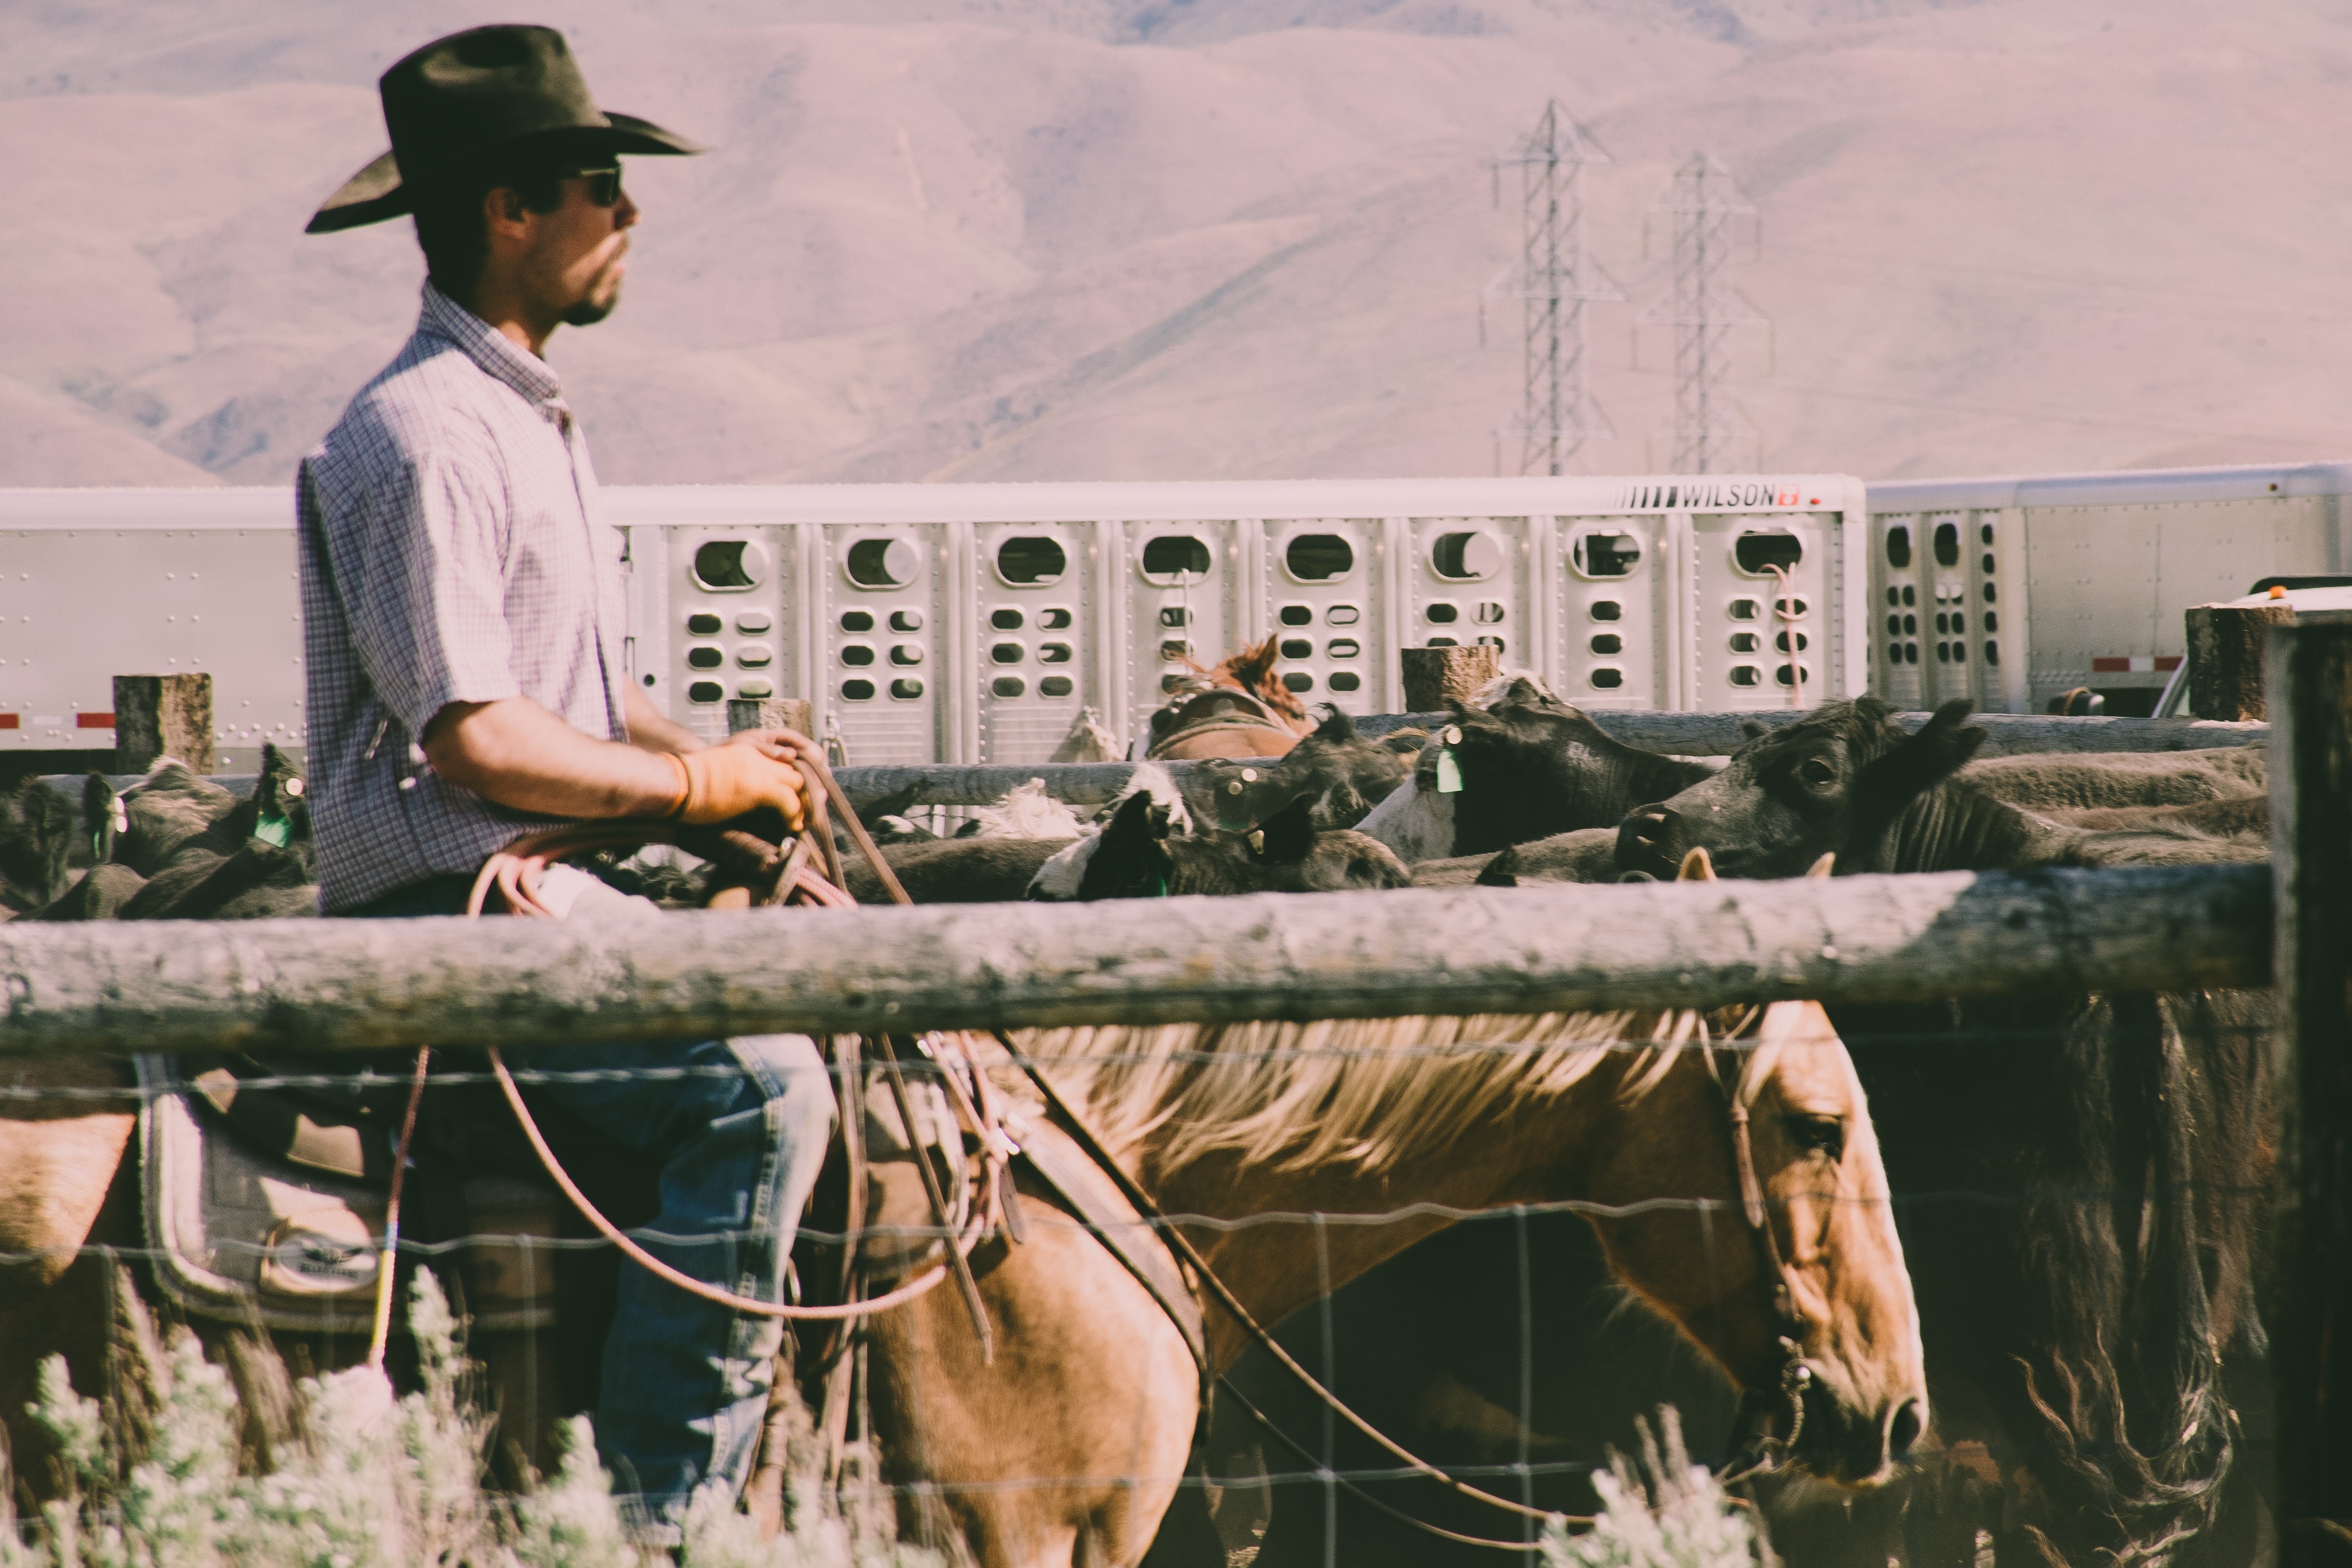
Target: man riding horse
{"points": [[462, 623]]}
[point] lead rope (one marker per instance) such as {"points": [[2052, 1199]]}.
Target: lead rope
{"points": [[381, 1334], [515, 871]]}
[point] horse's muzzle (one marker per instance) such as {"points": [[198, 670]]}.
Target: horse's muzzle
{"points": [[1805, 1427]]}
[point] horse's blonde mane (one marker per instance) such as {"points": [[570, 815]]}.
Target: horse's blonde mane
{"points": [[1364, 1092]]}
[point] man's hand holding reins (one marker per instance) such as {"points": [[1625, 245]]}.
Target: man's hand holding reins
{"points": [[517, 753], [754, 769]]}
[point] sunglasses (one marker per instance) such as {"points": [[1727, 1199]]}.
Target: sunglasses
{"points": [[603, 185]]}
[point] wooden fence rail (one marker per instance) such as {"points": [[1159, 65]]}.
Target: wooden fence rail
{"points": [[336, 985]]}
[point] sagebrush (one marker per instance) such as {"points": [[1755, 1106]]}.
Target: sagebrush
{"points": [[1660, 1511], [368, 1479]]}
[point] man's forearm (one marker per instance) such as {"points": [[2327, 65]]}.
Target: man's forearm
{"points": [[519, 754], [650, 730]]}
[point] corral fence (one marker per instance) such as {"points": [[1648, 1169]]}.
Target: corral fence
{"points": [[331, 986]]}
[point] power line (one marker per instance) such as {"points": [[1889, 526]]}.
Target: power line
{"points": [[1554, 279], [1709, 434]]}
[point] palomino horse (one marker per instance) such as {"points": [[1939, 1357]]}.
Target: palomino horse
{"points": [[1236, 708], [1422, 1117]]}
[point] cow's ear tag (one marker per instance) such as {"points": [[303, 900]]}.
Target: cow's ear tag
{"points": [[1449, 772], [271, 828]]}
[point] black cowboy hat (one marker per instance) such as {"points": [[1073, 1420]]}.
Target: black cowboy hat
{"points": [[476, 100]]}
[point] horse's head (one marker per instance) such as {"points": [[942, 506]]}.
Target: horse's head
{"points": [[1791, 1277]]}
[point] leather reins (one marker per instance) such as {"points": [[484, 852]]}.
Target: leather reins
{"points": [[516, 872]]}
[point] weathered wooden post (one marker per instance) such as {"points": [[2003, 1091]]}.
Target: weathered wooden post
{"points": [[2225, 657], [2310, 706], [770, 713], [162, 716], [1431, 675]]}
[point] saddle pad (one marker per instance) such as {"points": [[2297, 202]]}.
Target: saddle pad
{"points": [[242, 1237]]}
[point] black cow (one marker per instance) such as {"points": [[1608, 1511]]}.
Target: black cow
{"points": [[1341, 774], [36, 834], [1528, 766], [1138, 854], [1847, 779]]}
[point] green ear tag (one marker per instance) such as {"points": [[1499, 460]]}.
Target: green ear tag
{"points": [[273, 829], [1449, 772]]}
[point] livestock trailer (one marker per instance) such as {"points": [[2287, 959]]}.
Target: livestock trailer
{"points": [[977, 623]]}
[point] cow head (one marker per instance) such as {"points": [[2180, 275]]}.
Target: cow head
{"points": [[1834, 781]]}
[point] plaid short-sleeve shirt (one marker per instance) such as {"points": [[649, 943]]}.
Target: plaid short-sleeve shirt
{"points": [[450, 552]]}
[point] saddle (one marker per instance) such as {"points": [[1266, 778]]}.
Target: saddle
{"points": [[265, 1203], [264, 1206], [1218, 707]]}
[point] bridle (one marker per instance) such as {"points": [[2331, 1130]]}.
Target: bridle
{"points": [[1755, 1449]]}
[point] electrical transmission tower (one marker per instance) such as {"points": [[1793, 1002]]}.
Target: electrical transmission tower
{"points": [[1709, 434], [1554, 279]]}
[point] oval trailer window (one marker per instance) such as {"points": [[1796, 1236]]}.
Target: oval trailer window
{"points": [[730, 565], [1756, 552], [1898, 546], [1030, 558], [1173, 558], [1947, 544], [1318, 557], [1606, 555], [883, 562], [1467, 557]]}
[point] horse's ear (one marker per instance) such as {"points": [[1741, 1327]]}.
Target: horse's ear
{"points": [[1254, 664], [1823, 867], [1336, 728], [1696, 867], [1502, 871], [1286, 838]]}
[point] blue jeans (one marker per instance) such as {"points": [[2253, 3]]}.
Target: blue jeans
{"points": [[739, 1144]]}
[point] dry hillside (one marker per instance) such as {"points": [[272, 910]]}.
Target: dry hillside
{"points": [[1112, 238]]}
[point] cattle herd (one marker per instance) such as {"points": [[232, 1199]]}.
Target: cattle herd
{"points": [[2077, 1177]]}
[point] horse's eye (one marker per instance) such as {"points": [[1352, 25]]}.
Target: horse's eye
{"points": [[1825, 1134], [1816, 772]]}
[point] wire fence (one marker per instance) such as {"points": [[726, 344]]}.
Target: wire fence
{"points": [[1525, 1300]]}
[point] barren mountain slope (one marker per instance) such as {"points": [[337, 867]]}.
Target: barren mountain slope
{"points": [[1001, 239]]}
